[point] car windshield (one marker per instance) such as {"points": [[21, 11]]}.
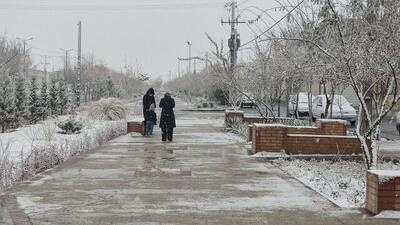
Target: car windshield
{"points": [[303, 98], [340, 100]]}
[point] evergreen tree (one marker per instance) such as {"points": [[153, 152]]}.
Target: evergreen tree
{"points": [[33, 103], [110, 90], [53, 98], [7, 104], [62, 99], [21, 99], [43, 100]]}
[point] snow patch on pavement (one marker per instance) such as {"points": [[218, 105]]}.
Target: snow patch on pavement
{"points": [[32, 208], [388, 214]]}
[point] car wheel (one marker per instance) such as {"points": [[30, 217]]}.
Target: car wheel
{"points": [[314, 119], [322, 116], [353, 122]]}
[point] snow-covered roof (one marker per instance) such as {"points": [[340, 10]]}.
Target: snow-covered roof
{"points": [[385, 175]]}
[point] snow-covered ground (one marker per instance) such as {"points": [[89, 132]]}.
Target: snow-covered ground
{"points": [[341, 181], [34, 148]]}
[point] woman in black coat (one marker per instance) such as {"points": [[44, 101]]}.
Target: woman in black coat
{"points": [[148, 99], [167, 121]]}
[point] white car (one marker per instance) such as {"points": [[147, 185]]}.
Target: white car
{"points": [[341, 109], [302, 106]]}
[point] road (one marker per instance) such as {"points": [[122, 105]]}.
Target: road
{"points": [[204, 177]]}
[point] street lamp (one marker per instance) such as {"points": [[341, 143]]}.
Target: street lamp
{"points": [[190, 55]]}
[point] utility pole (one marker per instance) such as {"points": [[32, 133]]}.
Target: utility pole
{"points": [[24, 41], [66, 61], [190, 56], [179, 68], [194, 66], [78, 84], [206, 60], [45, 66], [234, 40]]}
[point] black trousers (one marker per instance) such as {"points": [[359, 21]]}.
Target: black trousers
{"points": [[167, 133]]}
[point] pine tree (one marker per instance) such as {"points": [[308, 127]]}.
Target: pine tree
{"points": [[53, 98], [7, 104], [43, 100], [21, 98], [110, 88], [33, 103], [62, 97]]}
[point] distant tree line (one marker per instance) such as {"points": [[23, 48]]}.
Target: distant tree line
{"points": [[28, 96]]}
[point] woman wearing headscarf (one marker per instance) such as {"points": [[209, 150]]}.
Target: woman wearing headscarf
{"points": [[167, 121], [148, 99]]}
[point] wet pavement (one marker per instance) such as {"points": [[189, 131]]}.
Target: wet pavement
{"points": [[203, 177]]}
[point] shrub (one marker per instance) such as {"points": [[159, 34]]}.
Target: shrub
{"points": [[107, 109], [236, 125], [70, 125]]}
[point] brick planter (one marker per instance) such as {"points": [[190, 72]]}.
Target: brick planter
{"points": [[250, 132], [383, 190], [332, 127], [233, 115], [135, 126], [253, 119], [322, 144], [329, 137], [268, 137]]}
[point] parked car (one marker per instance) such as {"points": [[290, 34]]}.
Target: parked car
{"points": [[247, 102], [341, 108], [302, 107]]}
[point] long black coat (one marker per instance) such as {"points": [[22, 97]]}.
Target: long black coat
{"points": [[147, 101], [167, 113]]}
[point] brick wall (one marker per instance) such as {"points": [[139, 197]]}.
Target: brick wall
{"points": [[233, 115], [382, 195], [250, 132], [303, 130], [321, 144], [268, 138], [253, 119], [134, 126], [332, 127], [329, 137]]}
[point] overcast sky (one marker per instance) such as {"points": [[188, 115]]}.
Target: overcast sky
{"points": [[118, 32]]}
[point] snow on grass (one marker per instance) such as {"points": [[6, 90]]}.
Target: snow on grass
{"points": [[35, 148], [342, 182]]}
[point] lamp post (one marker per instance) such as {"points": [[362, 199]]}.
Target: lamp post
{"points": [[190, 56]]}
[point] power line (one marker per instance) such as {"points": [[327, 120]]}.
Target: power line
{"points": [[276, 23], [108, 7]]}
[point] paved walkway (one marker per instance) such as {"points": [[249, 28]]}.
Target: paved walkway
{"points": [[203, 177]]}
